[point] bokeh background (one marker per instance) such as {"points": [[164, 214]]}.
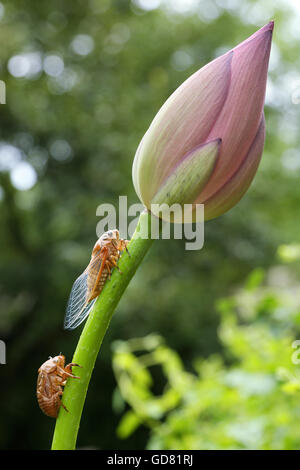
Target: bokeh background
{"points": [[83, 81]]}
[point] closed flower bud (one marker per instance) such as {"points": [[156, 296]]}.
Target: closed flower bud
{"points": [[205, 143]]}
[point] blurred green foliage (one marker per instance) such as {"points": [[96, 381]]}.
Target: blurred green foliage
{"points": [[248, 398], [83, 81]]}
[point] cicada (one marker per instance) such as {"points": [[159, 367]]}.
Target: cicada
{"points": [[53, 375], [89, 284]]}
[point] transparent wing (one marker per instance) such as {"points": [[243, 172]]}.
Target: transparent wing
{"points": [[77, 308]]}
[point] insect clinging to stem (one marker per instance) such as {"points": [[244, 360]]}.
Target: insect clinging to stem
{"points": [[52, 377], [89, 284]]}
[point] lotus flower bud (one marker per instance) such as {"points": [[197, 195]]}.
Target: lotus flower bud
{"points": [[205, 143]]}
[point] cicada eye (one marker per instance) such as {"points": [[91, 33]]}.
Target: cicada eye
{"points": [[109, 234]]}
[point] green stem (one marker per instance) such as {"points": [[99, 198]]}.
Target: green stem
{"points": [[67, 424]]}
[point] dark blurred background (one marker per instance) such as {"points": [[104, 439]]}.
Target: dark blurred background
{"points": [[83, 81]]}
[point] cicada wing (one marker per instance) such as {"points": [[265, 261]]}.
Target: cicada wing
{"points": [[77, 302], [78, 306], [83, 314]]}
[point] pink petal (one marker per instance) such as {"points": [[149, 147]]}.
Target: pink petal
{"points": [[183, 123], [239, 119], [233, 190]]}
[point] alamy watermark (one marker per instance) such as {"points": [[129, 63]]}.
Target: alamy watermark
{"points": [[2, 352], [176, 221], [292, 377], [295, 96], [2, 92], [296, 353]]}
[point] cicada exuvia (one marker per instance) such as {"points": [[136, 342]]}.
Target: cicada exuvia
{"points": [[52, 377], [88, 286]]}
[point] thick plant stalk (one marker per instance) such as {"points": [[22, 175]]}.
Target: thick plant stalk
{"points": [[67, 423]]}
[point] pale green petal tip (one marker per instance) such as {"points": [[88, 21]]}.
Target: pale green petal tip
{"points": [[186, 182], [190, 176]]}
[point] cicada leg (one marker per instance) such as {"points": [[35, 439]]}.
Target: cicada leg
{"points": [[64, 373], [123, 246], [68, 368], [114, 262], [64, 406], [72, 364]]}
